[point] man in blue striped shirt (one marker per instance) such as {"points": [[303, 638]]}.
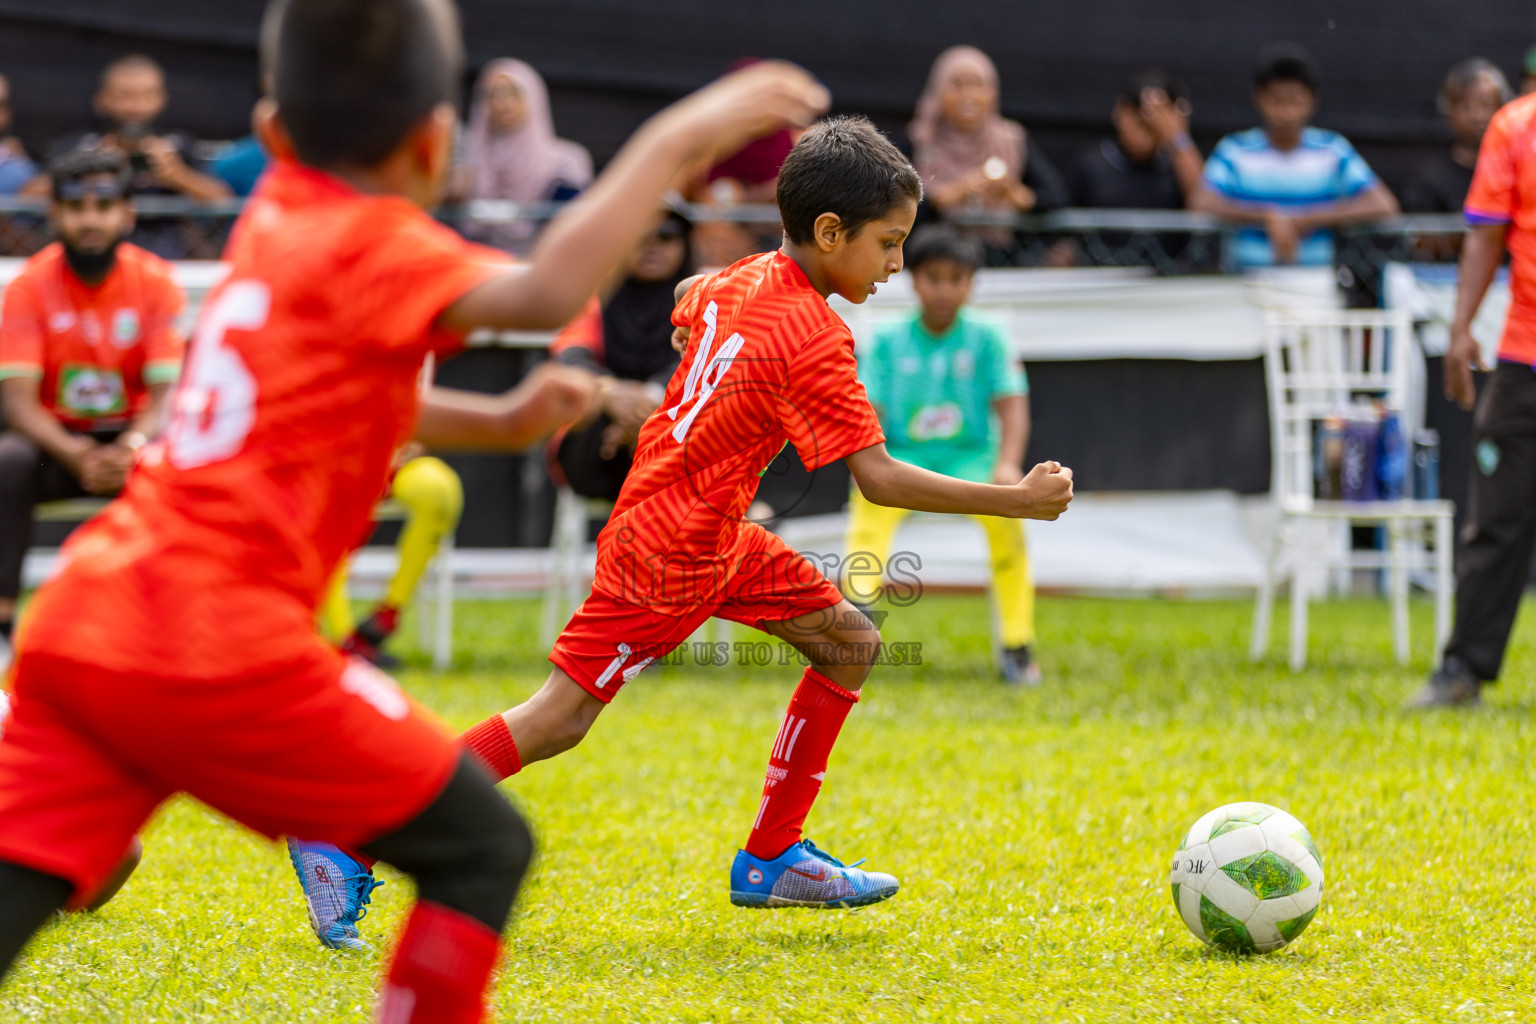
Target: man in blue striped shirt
{"points": [[1285, 182]]}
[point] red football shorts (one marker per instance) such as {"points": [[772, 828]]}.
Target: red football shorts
{"points": [[612, 638], [328, 749]]}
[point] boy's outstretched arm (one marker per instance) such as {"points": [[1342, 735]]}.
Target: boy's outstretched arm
{"points": [[548, 398], [1044, 493], [589, 238]]}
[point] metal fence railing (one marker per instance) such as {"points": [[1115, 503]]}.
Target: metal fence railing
{"points": [[1169, 242]]}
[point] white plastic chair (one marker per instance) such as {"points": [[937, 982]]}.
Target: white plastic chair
{"points": [[1315, 364]]}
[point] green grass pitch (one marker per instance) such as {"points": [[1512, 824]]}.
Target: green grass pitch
{"points": [[1031, 833]]}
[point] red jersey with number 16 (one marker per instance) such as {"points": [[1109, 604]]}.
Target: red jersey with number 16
{"points": [[301, 383], [767, 361]]}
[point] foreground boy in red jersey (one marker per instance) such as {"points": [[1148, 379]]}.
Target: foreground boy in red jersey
{"points": [[766, 361], [176, 651]]}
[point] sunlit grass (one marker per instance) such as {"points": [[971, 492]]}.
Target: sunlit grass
{"points": [[1031, 832]]}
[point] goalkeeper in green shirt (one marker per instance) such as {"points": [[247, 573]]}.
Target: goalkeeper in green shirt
{"points": [[953, 398]]}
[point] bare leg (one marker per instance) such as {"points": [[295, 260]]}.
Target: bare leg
{"points": [[553, 720], [819, 634]]}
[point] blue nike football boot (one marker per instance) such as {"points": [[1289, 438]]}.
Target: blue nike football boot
{"points": [[803, 876], [337, 891]]}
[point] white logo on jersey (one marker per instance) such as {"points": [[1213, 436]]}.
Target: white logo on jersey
{"points": [[363, 680], [706, 372]]}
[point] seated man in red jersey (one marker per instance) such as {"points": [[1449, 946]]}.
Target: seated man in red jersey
{"points": [[88, 350], [176, 650]]}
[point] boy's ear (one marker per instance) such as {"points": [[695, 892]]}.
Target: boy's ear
{"points": [[431, 144], [267, 126], [827, 230]]}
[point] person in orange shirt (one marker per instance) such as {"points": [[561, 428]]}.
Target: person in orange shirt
{"points": [[1499, 540], [88, 350], [176, 650]]}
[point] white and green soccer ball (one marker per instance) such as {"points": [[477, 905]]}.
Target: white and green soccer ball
{"points": [[1247, 878]]}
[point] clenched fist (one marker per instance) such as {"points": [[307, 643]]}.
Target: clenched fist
{"points": [[1044, 493]]}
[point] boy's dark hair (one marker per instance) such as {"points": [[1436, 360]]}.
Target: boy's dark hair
{"points": [[843, 165], [1463, 73], [936, 242], [1285, 62], [353, 77], [1152, 78], [89, 162]]}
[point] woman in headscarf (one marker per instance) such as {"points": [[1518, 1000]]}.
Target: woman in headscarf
{"points": [[511, 151], [969, 155], [626, 337]]}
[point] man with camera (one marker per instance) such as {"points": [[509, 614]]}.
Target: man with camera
{"points": [[129, 101]]}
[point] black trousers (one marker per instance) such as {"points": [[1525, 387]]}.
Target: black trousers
{"points": [[28, 477], [1499, 538]]}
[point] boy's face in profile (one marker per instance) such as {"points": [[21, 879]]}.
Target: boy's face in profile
{"points": [[855, 263], [942, 287]]}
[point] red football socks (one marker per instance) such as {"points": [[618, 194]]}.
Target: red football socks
{"points": [[439, 972], [798, 762], [491, 742]]}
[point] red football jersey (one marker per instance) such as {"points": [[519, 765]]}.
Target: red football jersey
{"points": [[767, 361], [1504, 192], [301, 382], [94, 350]]}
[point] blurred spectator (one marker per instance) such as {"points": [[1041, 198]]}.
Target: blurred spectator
{"points": [[1528, 72], [970, 156], [953, 398], [1473, 92], [240, 165], [129, 102], [88, 351], [16, 168], [627, 337], [1285, 181], [1151, 163], [749, 175], [511, 151]]}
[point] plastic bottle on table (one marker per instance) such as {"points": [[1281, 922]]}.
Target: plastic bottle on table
{"points": [[1358, 481], [1426, 465], [1391, 458]]}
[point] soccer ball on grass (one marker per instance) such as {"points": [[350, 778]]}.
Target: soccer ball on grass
{"points": [[1247, 878]]}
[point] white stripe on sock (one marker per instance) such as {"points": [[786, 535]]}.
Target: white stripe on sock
{"points": [[757, 823], [791, 751]]}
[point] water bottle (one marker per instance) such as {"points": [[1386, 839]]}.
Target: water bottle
{"points": [[1328, 459], [1426, 465], [1359, 470], [1391, 458]]}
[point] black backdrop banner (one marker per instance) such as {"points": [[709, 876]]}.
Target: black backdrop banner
{"points": [[611, 62]]}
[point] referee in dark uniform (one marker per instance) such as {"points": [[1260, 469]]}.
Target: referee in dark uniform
{"points": [[1499, 539]]}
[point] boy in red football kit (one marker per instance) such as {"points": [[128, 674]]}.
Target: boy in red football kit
{"points": [[176, 650], [767, 361]]}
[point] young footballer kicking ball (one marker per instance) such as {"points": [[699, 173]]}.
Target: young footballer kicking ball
{"points": [[176, 650], [766, 361]]}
